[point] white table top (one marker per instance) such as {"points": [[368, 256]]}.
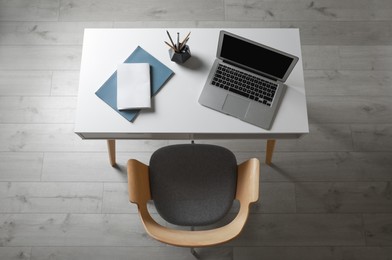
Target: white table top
{"points": [[176, 113]]}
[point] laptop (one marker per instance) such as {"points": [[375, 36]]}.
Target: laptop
{"points": [[246, 80]]}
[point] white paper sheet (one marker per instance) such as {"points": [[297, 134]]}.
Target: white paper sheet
{"points": [[133, 86]]}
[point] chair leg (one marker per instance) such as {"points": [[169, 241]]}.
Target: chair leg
{"points": [[194, 253]]}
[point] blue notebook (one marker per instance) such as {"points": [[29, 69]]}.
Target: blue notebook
{"points": [[159, 72]]}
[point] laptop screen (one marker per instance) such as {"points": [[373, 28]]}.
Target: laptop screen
{"points": [[256, 57]]}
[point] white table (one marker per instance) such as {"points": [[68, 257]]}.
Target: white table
{"points": [[176, 114]]}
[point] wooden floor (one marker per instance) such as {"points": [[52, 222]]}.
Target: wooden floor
{"points": [[327, 196]]}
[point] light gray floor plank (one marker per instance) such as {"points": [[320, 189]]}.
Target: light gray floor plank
{"points": [[61, 138], [366, 57], [348, 83], [116, 199], [147, 10], [45, 197], [44, 137], [349, 197], [40, 57], [15, 253], [46, 33], [21, 83], [324, 10], [332, 57], [273, 198], [312, 253], [81, 167], [73, 230], [364, 253], [32, 10], [20, 166], [321, 137], [351, 109], [343, 33], [65, 83], [328, 166], [302, 230], [378, 229], [320, 57], [278, 253], [37, 110], [372, 137], [128, 253]]}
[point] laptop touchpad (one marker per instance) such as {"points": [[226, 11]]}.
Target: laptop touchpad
{"points": [[235, 106]]}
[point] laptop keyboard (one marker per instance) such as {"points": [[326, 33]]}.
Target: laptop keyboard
{"points": [[244, 84]]}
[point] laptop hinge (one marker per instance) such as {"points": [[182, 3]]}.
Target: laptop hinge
{"points": [[247, 69]]}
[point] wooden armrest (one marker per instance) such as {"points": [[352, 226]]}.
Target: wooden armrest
{"points": [[248, 181], [138, 182], [199, 238]]}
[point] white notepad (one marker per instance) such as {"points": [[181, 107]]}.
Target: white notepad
{"points": [[133, 86]]}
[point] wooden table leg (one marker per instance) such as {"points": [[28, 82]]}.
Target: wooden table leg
{"points": [[112, 151], [270, 151]]}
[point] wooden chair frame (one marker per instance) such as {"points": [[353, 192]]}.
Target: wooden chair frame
{"points": [[247, 192]]}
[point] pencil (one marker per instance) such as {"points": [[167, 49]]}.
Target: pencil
{"points": [[168, 44], [170, 38], [183, 44], [186, 37]]}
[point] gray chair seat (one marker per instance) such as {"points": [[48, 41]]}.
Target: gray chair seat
{"points": [[193, 184]]}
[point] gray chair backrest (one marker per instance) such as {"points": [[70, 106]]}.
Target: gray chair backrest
{"points": [[193, 184]]}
